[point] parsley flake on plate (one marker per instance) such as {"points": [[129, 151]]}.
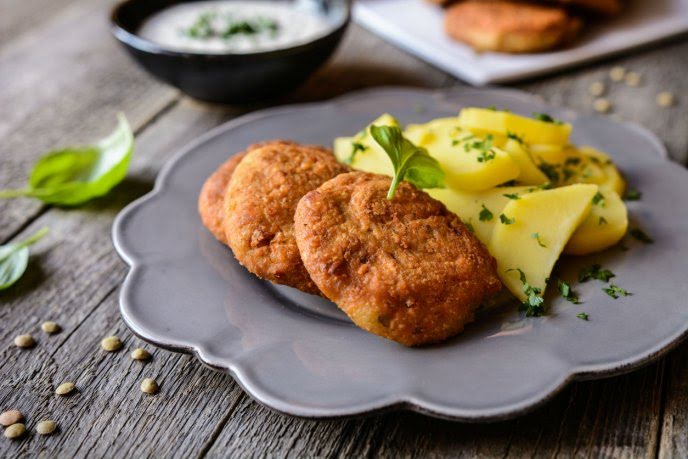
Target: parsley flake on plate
{"points": [[506, 220], [485, 214], [641, 235], [595, 272], [533, 305], [615, 291]]}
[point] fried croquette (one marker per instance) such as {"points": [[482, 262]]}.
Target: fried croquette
{"points": [[406, 269], [212, 197], [211, 201], [510, 27], [259, 208]]}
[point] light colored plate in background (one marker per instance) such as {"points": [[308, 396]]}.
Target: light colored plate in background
{"points": [[418, 27], [300, 355]]}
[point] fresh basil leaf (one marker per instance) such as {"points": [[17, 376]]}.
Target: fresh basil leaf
{"points": [[14, 258], [72, 176], [410, 162]]}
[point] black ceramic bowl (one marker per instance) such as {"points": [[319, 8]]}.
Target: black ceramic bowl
{"points": [[229, 78]]}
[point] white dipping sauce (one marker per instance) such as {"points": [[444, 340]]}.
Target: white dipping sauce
{"points": [[232, 26]]}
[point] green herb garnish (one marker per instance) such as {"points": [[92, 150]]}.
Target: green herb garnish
{"points": [[210, 25], [356, 147], [513, 196], [545, 117], [469, 225], [641, 235], [517, 138], [533, 305], [566, 292], [536, 236], [595, 272], [14, 258], [550, 170], [75, 175], [506, 220], [410, 162], [599, 200], [602, 221], [485, 214], [615, 291], [633, 195], [582, 316], [484, 146]]}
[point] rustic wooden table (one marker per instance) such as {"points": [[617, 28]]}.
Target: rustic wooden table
{"points": [[62, 79]]}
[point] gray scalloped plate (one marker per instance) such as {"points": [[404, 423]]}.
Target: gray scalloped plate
{"points": [[300, 355]]}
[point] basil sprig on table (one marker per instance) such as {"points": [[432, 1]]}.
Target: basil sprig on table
{"points": [[410, 162], [72, 176], [14, 258]]}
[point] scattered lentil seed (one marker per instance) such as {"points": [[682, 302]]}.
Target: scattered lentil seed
{"points": [[65, 388], [46, 427], [602, 105], [617, 73], [633, 79], [50, 327], [10, 417], [149, 386], [15, 431], [597, 89], [24, 341], [111, 344], [140, 354], [665, 99]]}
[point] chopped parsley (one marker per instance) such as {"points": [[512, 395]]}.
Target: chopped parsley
{"points": [[602, 221], [533, 305], [615, 291], [595, 272], [566, 292], [506, 220], [211, 25], [582, 316], [469, 225], [550, 171], [484, 146], [355, 148], [536, 236], [641, 235], [485, 214], [547, 118], [599, 200], [633, 195], [513, 196], [514, 136]]}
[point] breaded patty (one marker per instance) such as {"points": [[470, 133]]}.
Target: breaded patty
{"points": [[509, 27], [406, 269], [259, 208], [211, 200]]}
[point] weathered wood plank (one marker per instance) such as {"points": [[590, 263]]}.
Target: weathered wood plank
{"points": [[21, 16], [63, 83], [674, 432]]}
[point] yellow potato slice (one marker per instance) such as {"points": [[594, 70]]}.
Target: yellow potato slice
{"points": [[483, 121], [605, 225], [529, 174], [552, 216], [613, 178], [362, 151], [469, 206], [469, 162]]}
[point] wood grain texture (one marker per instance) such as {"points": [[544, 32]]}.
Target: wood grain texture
{"points": [[75, 274]]}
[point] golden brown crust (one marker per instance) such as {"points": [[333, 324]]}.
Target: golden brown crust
{"points": [[259, 208], [509, 27], [212, 196], [406, 269]]}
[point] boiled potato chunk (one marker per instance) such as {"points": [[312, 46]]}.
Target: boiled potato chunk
{"points": [[362, 151], [605, 225], [483, 121], [613, 178], [529, 173], [469, 162], [543, 222], [469, 206]]}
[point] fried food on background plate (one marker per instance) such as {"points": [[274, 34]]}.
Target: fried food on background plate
{"points": [[259, 208], [406, 269], [510, 27]]}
